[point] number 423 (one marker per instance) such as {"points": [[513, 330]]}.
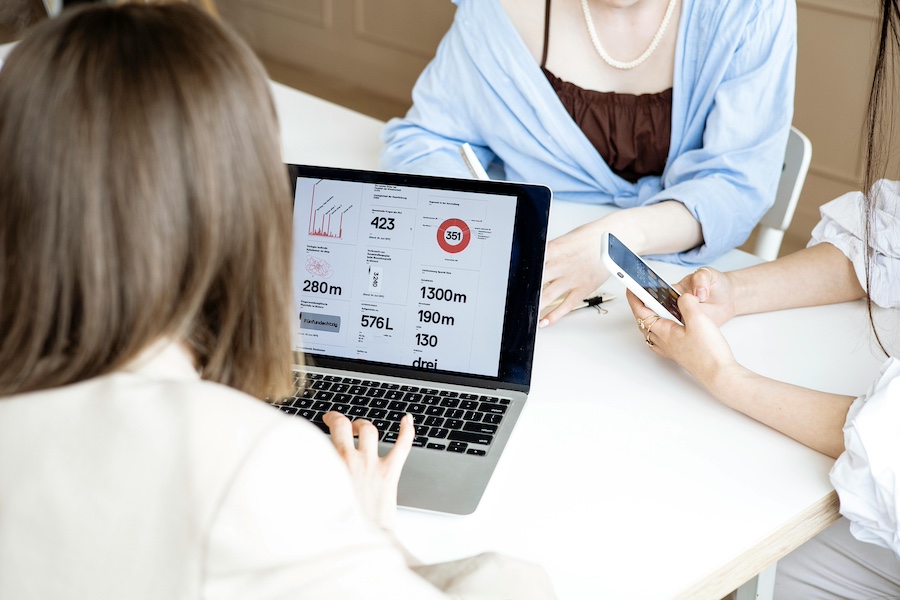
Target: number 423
{"points": [[383, 222]]}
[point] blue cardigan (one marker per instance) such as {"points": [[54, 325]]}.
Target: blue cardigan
{"points": [[732, 104]]}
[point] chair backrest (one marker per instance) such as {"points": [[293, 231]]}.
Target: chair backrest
{"points": [[773, 224]]}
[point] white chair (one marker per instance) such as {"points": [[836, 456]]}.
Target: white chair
{"points": [[793, 174]]}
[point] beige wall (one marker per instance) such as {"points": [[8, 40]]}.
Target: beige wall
{"points": [[835, 40], [382, 45], [379, 45]]}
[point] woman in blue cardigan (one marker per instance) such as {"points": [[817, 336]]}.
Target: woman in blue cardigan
{"points": [[676, 111]]}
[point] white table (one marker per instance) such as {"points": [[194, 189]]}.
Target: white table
{"points": [[624, 477], [317, 132]]}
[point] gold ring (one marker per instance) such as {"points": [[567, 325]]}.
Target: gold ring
{"points": [[642, 324], [649, 328], [645, 326], [712, 275]]}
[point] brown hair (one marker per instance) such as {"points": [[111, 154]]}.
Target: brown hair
{"points": [[142, 196], [879, 131]]}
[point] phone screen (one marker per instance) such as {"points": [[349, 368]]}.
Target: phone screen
{"points": [[638, 270]]}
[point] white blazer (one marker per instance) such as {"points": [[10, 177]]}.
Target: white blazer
{"points": [[151, 483]]}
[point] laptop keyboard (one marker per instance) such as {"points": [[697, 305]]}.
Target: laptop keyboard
{"points": [[445, 420]]}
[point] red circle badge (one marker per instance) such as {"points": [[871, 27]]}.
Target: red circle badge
{"points": [[453, 235]]}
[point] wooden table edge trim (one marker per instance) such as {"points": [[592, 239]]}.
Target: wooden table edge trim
{"points": [[777, 545]]}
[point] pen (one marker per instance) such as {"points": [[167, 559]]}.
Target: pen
{"points": [[474, 166], [595, 301]]}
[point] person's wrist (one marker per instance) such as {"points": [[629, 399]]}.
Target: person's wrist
{"points": [[739, 293], [387, 513], [724, 377], [621, 223]]}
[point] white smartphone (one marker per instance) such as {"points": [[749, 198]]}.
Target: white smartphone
{"points": [[641, 280]]}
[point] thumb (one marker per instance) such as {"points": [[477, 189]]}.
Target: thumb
{"points": [[690, 308]]}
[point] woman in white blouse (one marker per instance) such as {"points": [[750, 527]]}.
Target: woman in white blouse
{"points": [[854, 253], [145, 240]]}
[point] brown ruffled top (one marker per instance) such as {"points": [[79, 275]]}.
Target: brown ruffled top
{"points": [[631, 132]]}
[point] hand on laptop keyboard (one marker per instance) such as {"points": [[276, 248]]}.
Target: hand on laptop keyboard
{"points": [[374, 478]]}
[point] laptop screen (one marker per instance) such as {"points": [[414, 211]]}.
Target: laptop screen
{"points": [[416, 273]]}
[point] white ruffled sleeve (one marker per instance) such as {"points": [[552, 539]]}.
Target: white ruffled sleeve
{"points": [[842, 225], [867, 475]]}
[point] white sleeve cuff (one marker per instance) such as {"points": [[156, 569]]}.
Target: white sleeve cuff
{"points": [[843, 226], [866, 474]]}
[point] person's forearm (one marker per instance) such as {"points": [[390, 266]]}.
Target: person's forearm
{"points": [[815, 419], [811, 277], [662, 228]]}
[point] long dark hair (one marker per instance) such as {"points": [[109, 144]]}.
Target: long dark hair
{"points": [[142, 197], [879, 133]]}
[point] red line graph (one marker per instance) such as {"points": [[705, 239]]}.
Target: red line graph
{"points": [[320, 224]]}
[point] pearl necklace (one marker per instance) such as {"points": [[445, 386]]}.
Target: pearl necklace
{"points": [[589, 21]]}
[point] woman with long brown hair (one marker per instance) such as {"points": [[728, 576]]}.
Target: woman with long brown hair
{"points": [[145, 306], [854, 254]]}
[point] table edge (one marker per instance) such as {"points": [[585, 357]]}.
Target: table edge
{"points": [[778, 544]]}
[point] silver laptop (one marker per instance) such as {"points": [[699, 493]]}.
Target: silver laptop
{"points": [[419, 295]]}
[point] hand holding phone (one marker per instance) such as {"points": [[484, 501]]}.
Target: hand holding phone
{"points": [[640, 279]]}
